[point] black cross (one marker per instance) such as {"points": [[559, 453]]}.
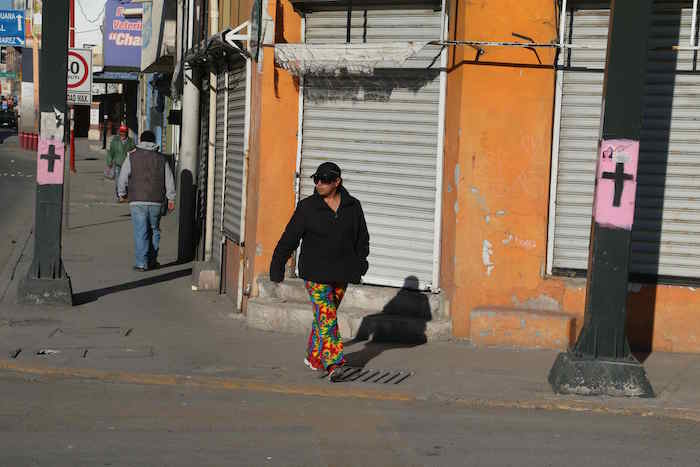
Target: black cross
{"points": [[619, 176], [52, 157]]}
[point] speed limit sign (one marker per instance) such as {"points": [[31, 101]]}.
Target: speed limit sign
{"points": [[80, 76]]}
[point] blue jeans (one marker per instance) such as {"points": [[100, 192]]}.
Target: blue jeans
{"points": [[146, 220], [117, 170]]}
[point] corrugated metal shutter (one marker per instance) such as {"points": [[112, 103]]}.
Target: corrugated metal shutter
{"points": [[234, 150], [383, 131], [219, 156], [665, 238]]}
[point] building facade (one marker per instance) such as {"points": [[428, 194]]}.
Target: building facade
{"points": [[474, 158]]}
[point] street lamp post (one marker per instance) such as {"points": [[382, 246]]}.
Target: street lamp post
{"points": [[47, 281]]}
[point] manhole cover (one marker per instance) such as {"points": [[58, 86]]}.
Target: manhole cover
{"points": [[351, 374]]}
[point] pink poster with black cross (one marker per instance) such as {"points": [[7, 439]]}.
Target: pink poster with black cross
{"points": [[616, 183], [49, 162]]}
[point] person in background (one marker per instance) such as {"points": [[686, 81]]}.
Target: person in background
{"points": [[147, 175], [119, 147]]}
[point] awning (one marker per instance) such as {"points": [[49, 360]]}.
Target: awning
{"points": [[339, 59], [114, 77], [213, 49], [159, 36]]}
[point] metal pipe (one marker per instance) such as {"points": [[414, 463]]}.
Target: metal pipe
{"points": [[211, 151], [189, 142], [435, 285], [562, 23], [693, 23], [526, 45], [244, 192], [554, 169]]}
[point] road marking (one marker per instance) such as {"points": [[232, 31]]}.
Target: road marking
{"points": [[208, 382]]}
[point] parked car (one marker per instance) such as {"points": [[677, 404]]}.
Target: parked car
{"points": [[8, 119]]}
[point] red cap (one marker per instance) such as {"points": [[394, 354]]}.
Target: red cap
{"points": [[123, 129]]}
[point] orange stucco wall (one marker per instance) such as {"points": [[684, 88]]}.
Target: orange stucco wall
{"points": [[498, 135], [273, 149]]}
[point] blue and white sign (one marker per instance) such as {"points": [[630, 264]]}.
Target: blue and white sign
{"points": [[12, 27]]}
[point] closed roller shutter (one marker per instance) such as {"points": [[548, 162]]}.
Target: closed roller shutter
{"points": [[383, 132], [219, 166], [665, 239], [233, 197]]}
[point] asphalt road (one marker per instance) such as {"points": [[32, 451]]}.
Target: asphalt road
{"points": [[17, 192], [46, 421]]}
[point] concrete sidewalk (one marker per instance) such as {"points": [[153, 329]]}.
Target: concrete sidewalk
{"points": [[150, 328]]}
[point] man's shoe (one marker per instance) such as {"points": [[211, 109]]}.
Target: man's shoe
{"points": [[335, 373], [154, 265], [140, 268]]}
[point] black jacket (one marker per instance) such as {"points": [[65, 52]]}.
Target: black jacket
{"points": [[335, 245]]}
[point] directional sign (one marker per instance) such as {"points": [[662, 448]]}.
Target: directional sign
{"points": [[80, 76], [12, 27]]}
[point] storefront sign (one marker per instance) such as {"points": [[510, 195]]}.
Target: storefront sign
{"points": [[122, 36]]}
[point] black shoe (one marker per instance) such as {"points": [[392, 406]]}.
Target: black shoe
{"points": [[335, 374], [140, 269], [154, 265]]}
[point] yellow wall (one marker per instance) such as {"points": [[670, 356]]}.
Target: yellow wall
{"points": [[498, 138], [273, 149]]}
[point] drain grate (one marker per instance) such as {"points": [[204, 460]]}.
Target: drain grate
{"points": [[351, 374]]}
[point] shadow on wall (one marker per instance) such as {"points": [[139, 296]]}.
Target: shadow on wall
{"points": [[401, 324]]}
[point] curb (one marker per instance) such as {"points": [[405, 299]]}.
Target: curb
{"points": [[333, 391]]}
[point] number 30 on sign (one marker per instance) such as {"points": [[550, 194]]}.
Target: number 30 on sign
{"points": [[80, 76]]}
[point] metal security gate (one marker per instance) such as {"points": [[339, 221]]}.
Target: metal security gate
{"points": [[235, 147], [665, 235], [203, 148], [219, 156], [382, 130]]}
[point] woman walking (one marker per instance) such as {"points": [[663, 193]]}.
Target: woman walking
{"points": [[334, 249]]}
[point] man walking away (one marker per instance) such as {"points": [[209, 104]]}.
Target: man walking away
{"points": [[150, 181], [334, 247], [119, 147]]}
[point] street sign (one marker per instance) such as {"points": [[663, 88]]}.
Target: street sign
{"points": [[80, 76], [12, 27]]}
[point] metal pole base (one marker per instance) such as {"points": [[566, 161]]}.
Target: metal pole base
{"points": [[583, 376], [34, 291]]}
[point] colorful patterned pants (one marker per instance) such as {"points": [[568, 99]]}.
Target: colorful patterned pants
{"points": [[325, 347]]}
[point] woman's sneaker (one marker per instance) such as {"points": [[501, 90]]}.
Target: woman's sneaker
{"points": [[308, 363]]}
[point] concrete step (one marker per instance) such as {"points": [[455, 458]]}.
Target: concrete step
{"points": [[425, 305], [295, 317], [523, 328]]}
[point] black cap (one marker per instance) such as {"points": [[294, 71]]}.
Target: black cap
{"points": [[327, 168]]}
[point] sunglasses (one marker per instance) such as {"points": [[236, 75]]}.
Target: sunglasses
{"points": [[325, 178]]}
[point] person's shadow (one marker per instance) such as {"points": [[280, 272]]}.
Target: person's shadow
{"points": [[401, 324]]}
